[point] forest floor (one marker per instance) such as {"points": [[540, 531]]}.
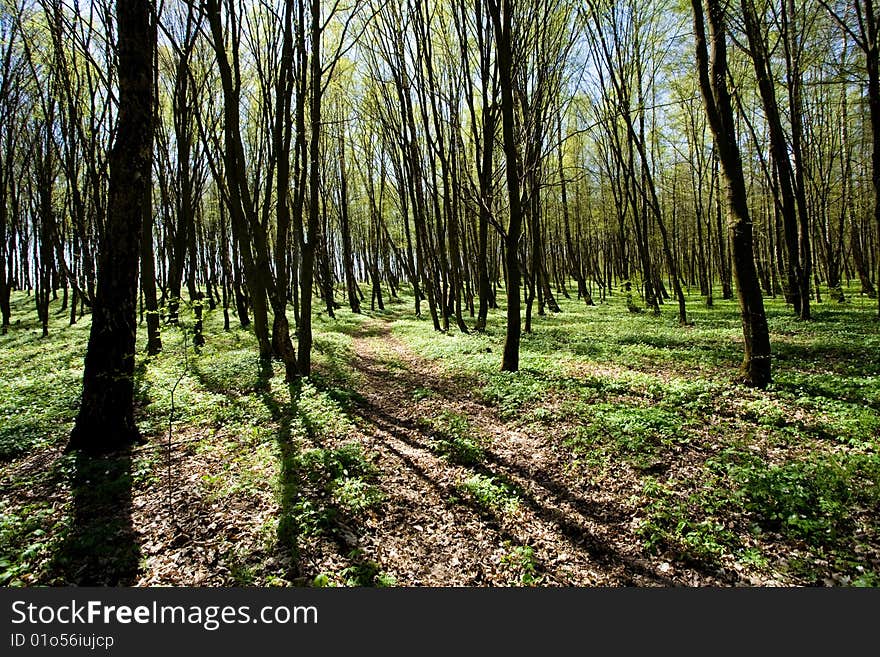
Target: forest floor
{"points": [[621, 454]]}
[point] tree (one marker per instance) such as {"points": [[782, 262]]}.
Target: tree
{"points": [[483, 124], [791, 195], [713, 72], [106, 414], [866, 35], [500, 12], [11, 83]]}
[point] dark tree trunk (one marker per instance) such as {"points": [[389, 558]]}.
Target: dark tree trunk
{"points": [[245, 226], [755, 368], [282, 345], [861, 266], [43, 239], [872, 55], [573, 256], [501, 19], [723, 260], [148, 264], [106, 415], [5, 274], [307, 264], [148, 279], [485, 175], [6, 179], [345, 226]]}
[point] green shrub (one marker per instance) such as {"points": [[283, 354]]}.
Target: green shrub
{"points": [[808, 500]]}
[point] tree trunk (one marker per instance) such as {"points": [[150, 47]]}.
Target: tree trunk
{"points": [[148, 279], [872, 55], [345, 226], [106, 415], [755, 369], [501, 19], [779, 152], [307, 266]]}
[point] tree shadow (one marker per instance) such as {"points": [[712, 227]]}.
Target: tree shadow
{"points": [[101, 546], [568, 514], [287, 532], [308, 510]]}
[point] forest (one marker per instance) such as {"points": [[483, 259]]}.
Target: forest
{"points": [[368, 293]]}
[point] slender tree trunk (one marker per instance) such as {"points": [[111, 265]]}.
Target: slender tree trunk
{"points": [[148, 279], [282, 345], [254, 257], [345, 225], [148, 263], [5, 272], [43, 240], [779, 152], [307, 266], [501, 19], [795, 87], [485, 178], [755, 369]]}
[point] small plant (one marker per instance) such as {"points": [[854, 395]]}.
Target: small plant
{"points": [[321, 415], [24, 542], [240, 570], [633, 433], [685, 526], [867, 579], [365, 573], [322, 580], [489, 493], [753, 557], [311, 517], [333, 482], [521, 561], [418, 394], [511, 392], [766, 413], [354, 495], [455, 439], [347, 460]]}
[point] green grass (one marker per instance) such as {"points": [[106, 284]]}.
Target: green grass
{"points": [[520, 560], [25, 535], [687, 526], [361, 573], [638, 434], [826, 504], [42, 381], [332, 484], [489, 494], [782, 482]]}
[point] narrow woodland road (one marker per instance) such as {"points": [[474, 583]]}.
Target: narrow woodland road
{"points": [[555, 530]]}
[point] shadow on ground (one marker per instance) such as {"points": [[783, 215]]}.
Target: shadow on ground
{"points": [[101, 547]]}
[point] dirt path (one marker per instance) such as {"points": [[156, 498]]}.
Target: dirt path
{"points": [[561, 531]]}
